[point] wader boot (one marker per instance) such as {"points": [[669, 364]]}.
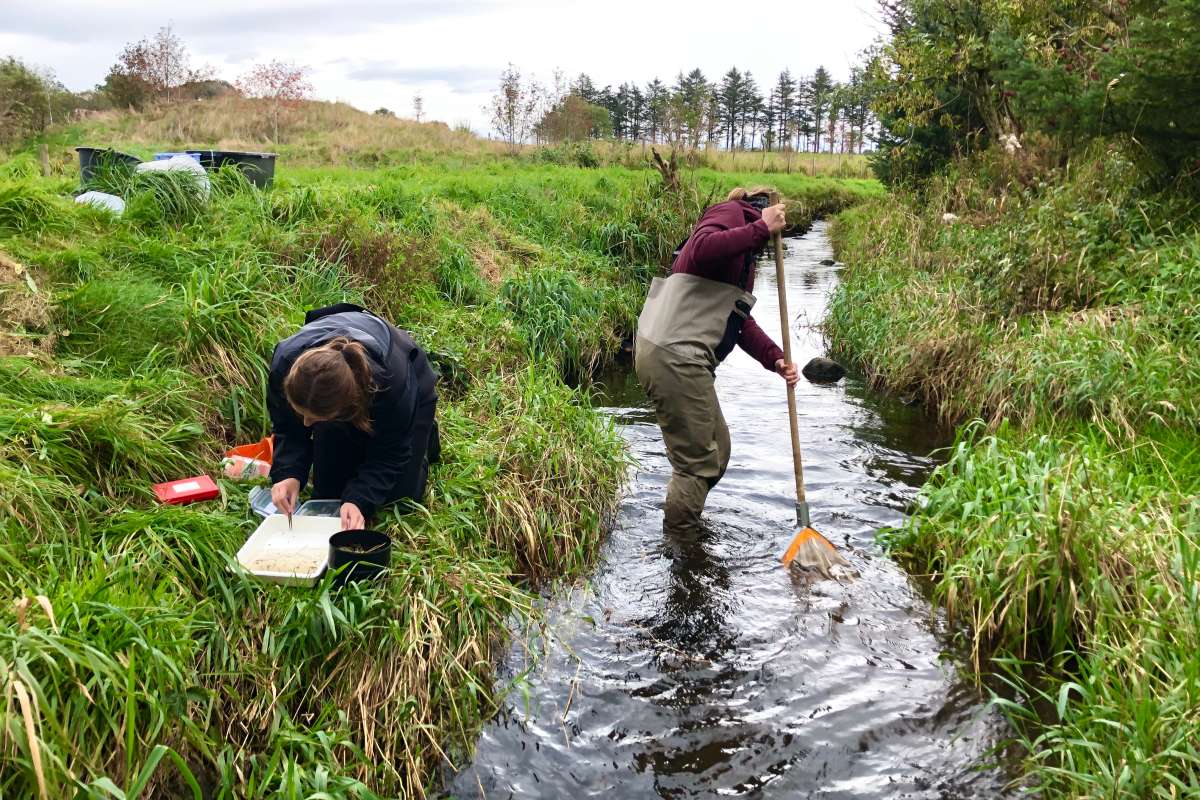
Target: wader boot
{"points": [[687, 326]]}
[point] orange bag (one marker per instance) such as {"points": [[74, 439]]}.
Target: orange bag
{"points": [[250, 460], [262, 450]]}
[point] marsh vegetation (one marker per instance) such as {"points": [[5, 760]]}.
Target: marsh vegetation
{"points": [[138, 661]]}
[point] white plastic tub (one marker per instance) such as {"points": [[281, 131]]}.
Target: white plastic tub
{"points": [[296, 557]]}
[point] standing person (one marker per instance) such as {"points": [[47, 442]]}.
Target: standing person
{"points": [[691, 320], [352, 398]]}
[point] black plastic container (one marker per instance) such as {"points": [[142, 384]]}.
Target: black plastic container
{"points": [[358, 555], [259, 168], [93, 158]]}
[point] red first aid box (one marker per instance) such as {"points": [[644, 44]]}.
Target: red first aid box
{"points": [[187, 490]]}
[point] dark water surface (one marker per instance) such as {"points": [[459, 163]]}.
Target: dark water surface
{"points": [[708, 670]]}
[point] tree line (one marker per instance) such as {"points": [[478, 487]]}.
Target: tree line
{"points": [[733, 112]]}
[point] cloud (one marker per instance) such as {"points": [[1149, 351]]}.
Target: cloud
{"points": [[381, 52], [73, 22], [460, 78]]}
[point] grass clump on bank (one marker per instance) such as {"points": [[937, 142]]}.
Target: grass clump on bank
{"points": [[161, 668], [1076, 563], [1064, 528], [136, 660], [1076, 297]]}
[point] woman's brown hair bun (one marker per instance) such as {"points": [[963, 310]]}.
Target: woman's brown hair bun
{"points": [[333, 382], [740, 193]]}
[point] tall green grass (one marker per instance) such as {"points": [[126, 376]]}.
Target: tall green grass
{"points": [[137, 659], [1064, 529], [1073, 557], [1068, 299]]}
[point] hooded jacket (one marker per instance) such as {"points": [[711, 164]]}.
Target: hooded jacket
{"points": [[402, 378], [727, 235]]}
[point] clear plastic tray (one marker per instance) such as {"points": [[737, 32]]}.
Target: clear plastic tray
{"points": [[320, 508], [296, 556], [260, 503]]}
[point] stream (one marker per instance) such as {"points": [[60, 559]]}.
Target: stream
{"points": [[706, 670]]}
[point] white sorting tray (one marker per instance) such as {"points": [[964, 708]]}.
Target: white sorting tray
{"points": [[296, 557]]}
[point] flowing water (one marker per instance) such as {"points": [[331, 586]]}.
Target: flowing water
{"points": [[708, 670]]}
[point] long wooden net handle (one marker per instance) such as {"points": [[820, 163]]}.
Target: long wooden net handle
{"points": [[785, 332]]}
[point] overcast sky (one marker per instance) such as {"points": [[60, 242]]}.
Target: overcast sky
{"points": [[372, 53]]}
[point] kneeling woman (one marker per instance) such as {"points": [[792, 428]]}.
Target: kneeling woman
{"points": [[352, 398]]}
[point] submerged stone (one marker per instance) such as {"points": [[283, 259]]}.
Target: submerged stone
{"points": [[823, 370], [827, 262]]}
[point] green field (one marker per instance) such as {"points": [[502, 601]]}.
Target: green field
{"points": [[135, 660]]}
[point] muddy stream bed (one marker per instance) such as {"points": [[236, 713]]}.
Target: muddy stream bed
{"points": [[708, 670]]}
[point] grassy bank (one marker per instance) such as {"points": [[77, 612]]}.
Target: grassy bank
{"points": [[317, 133], [1064, 530], [135, 661]]}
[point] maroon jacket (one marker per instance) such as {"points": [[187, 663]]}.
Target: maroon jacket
{"points": [[717, 249]]}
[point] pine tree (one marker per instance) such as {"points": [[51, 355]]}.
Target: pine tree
{"points": [[621, 111], [690, 101], [751, 102], [606, 99], [802, 114], [730, 97], [584, 87], [785, 108], [657, 98], [769, 122], [858, 107], [833, 113], [820, 91], [637, 113]]}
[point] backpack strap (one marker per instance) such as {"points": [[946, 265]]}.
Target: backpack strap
{"points": [[751, 257], [678, 250]]}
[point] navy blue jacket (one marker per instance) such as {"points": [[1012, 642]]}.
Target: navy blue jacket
{"points": [[402, 382]]}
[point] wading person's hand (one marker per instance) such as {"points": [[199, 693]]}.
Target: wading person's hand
{"points": [[773, 216], [285, 494], [787, 372], [352, 518]]}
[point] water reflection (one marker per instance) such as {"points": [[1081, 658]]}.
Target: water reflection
{"points": [[689, 626]]}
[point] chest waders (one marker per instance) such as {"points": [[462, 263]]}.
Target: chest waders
{"points": [[687, 326]]}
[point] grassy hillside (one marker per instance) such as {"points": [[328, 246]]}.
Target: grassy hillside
{"points": [[316, 133], [137, 659], [1061, 308], [311, 132]]}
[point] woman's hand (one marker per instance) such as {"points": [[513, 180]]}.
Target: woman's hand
{"points": [[773, 216], [787, 372], [285, 494], [352, 518]]}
